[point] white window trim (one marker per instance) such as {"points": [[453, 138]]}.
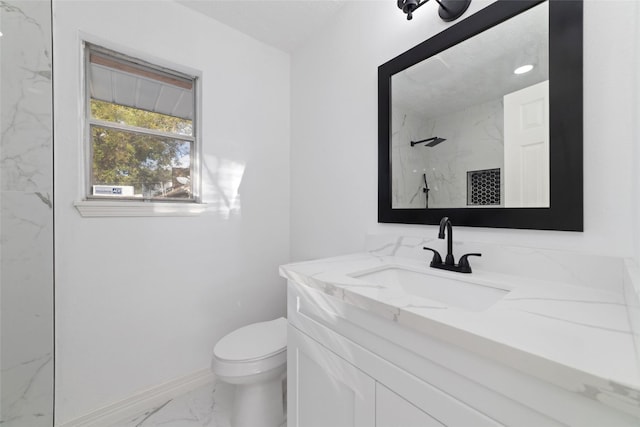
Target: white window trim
{"points": [[98, 208], [126, 208]]}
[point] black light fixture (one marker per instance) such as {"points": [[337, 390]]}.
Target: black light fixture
{"points": [[450, 10]]}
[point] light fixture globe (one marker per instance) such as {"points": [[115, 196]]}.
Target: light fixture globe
{"points": [[450, 10]]}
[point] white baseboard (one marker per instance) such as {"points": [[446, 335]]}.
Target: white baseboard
{"points": [[143, 401]]}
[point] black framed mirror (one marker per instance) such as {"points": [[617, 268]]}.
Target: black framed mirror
{"points": [[431, 106]]}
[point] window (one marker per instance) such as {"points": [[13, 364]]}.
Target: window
{"points": [[141, 129]]}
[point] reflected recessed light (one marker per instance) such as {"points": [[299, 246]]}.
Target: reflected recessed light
{"points": [[523, 69], [0, 33]]}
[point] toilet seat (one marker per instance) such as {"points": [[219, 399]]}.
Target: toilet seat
{"points": [[255, 341], [252, 349]]}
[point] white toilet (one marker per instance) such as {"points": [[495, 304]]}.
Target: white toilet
{"points": [[254, 359]]}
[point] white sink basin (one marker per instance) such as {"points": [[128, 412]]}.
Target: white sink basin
{"points": [[450, 291]]}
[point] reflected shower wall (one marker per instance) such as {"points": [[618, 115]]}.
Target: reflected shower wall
{"points": [[26, 214], [473, 141]]}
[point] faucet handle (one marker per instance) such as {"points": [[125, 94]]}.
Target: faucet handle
{"points": [[463, 263], [437, 259]]}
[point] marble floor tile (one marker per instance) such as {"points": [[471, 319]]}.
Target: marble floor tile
{"points": [[208, 406]]}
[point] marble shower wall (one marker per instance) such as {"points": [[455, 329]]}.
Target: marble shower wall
{"points": [[474, 141], [26, 214]]}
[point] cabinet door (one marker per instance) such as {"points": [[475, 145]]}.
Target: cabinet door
{"points": [[323, 389], [393, 411]]}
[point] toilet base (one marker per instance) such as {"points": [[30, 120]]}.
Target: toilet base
{"points": [[258, 404]]}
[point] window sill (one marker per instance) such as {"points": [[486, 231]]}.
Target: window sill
{"points": [[102, 209]]}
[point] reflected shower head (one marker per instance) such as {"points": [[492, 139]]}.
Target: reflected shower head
{"points": [[435, 142], [432, 141]]}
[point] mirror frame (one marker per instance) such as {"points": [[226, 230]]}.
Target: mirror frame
{"points": [[565, 122]]}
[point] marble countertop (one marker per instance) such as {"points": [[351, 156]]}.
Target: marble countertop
{"points": [[576, 337]]}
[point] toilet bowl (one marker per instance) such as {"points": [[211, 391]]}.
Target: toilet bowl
{"points": [[253, 359]]}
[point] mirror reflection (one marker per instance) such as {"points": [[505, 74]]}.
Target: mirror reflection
{"points": [[470, 126]]}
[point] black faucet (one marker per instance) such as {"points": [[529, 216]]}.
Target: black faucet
{"points": [[449, 262], [444, 222]]}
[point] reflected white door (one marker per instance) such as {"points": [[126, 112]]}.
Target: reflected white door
{"points": [[526, 147]]}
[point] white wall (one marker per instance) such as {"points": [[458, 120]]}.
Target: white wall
{"points": [[334, 131], [141, 301]]}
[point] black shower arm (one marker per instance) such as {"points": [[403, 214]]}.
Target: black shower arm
{"points": [[424, 140]]}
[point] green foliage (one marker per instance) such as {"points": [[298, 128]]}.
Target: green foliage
{"points": [[131, 158]]}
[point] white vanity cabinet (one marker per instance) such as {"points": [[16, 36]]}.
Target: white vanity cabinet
{"points": [[350, 367], [393, 410], [353, 387], [326, 389]]}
